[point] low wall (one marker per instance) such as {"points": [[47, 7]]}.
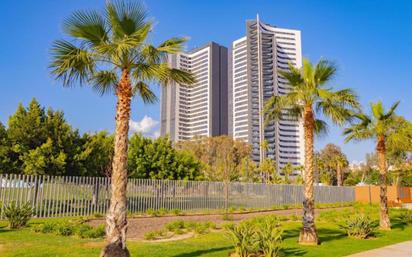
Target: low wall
{"points": [[371, 194]]}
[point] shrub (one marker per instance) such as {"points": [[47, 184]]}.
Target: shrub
{"points": [[359, 226], [269, 236], [152, 212], [87, 231], [243, 238], [405, 216], [175, 225], [150, 235], [65, 229], [18, 215], [176, 212], [48, 227], [162, 212]]}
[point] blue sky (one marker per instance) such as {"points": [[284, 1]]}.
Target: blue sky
{"points": [[371, 42]]}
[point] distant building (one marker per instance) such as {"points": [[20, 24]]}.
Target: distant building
{"points": [[200, 109], [256, 60]]}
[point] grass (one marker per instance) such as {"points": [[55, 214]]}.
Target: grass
{"points": [[26, 243]]}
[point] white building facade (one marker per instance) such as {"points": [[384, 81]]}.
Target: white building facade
{"points": [[256, 60]]}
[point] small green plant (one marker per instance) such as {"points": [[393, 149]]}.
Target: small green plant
{"points": [[231, 209], [176, 212], [405, 216], [18, 215], [152, 212], [162, 212], [227, 217], [175, 225], [150, 235], [242, 236], [65, 229], [359, 226], [285, 206], [269, 236]]}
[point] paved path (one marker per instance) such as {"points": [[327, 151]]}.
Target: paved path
{"points": [[397, 250]]}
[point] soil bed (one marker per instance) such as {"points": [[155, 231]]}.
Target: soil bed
{"points": [[139, 226]]}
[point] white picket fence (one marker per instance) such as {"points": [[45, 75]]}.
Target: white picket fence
{"points": [[58, 196]]}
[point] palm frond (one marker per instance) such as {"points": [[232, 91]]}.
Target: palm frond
{"points": [[321, 127], [391, 110], [71, 64], [172, 46], [359, 130], [377, 110], [281, 107], [293, 76], [104, 82], [143, 90], [89, 26], [126, 17], [324, 71]]}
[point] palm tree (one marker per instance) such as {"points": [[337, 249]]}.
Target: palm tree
{"points": [[309, 96], [381, 126], [110, 52], [340, 163]]}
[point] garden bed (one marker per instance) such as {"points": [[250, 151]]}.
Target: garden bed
{"points": [[139, 226]]}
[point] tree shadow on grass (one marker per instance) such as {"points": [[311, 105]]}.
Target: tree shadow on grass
{"points": [[203, 252], [326, 234], [293, 251]]}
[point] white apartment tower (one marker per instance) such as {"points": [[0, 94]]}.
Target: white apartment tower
{"points": [[256, 60], [200, 109]]}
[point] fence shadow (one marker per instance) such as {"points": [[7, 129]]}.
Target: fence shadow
{"points": [[203, 252]]}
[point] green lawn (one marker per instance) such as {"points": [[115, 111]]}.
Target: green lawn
{"points": [[334, 243]]}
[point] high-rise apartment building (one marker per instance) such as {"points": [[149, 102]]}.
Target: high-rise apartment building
{"points": [[200, 109], [256, 60]]}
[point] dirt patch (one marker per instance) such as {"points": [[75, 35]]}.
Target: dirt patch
{"points": [[142, 225]]}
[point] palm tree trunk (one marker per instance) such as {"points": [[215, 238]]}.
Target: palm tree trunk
{"points": [[384, 221], [308, 234], [339, 175], [116, 222]]}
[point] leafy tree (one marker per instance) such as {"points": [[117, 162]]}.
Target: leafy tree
{"points": [[5, 162], [249, 171], [43, 160], [96, 154], [157, 159], [382, 127], [42, 143], [332, 160], [222, 156], [268, 170], [308, 98], [110, 52]]}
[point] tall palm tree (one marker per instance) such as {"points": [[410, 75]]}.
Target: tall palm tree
{"points": [[340, 162], [381, 126], [110, 52], [308, 97]]}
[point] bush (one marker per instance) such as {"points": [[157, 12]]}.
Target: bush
{"points": [[18, 215], [260, 236], [152, 212], [175, 225], [176, 212], [405, 216], [65, 229], [48, 227], [359, 226], [227, 217], [242, 236], [87, 231], [269, 236]]}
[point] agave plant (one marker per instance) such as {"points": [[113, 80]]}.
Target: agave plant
{"points": [[359, 226]]}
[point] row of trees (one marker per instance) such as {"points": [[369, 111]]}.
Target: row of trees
{"points": [[40, 142]]}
